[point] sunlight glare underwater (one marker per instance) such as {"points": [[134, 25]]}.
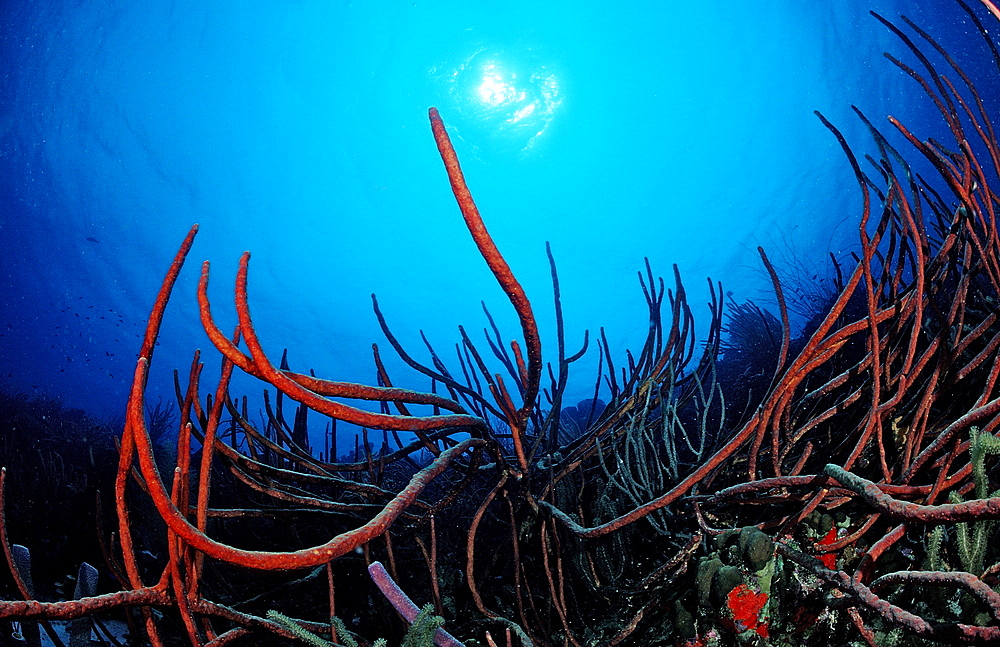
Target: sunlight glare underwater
{"points": [[506, 99]]}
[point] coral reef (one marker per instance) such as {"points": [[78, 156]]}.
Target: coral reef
{"points": [[815, 516]]}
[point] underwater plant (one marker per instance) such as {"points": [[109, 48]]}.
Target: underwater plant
{"points": [[789, 525]]}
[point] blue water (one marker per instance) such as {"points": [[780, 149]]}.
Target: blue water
{"points": [[681, 131]]}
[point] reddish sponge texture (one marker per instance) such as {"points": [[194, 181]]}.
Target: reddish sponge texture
{"points": [[746, 605], [829, 559]]}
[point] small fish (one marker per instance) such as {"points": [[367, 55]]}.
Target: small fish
{"points": [[91, 239]]}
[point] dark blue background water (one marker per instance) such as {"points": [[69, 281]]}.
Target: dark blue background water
{"points": [[681, 131]]}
